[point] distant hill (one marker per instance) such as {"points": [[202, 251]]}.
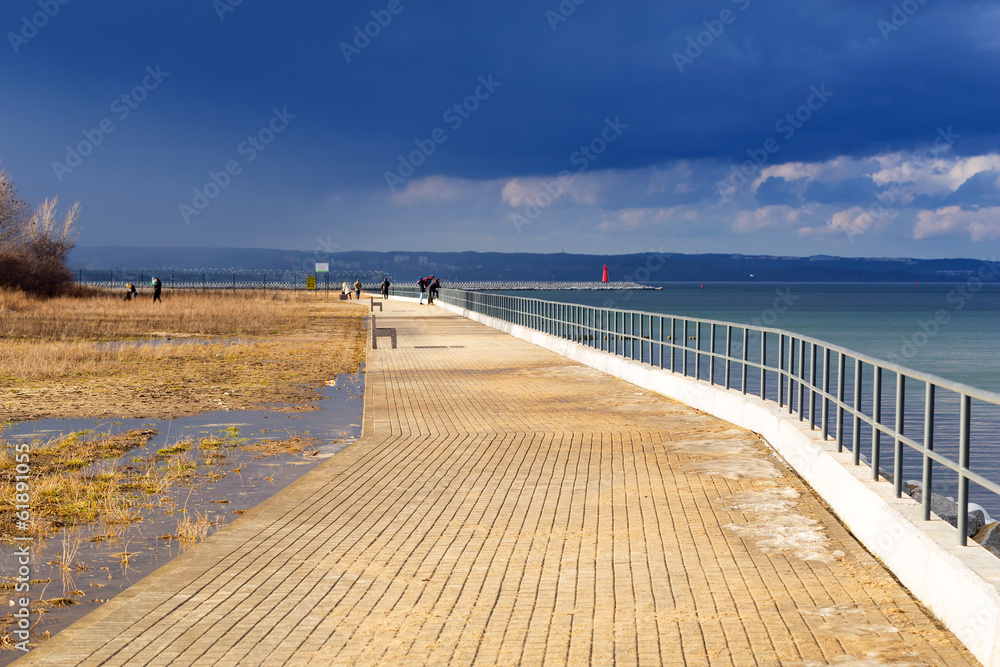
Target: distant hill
{"points": [[405, 266]]}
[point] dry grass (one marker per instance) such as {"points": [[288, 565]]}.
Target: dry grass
{"points": [[192, 530], [61, 494], [102, 315], [93, 354]]}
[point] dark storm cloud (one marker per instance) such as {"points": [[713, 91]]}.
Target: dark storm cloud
{"points": [[394, 86]]}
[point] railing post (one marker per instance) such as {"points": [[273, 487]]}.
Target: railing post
{"points": [[697, 350], [926, 482], [711, 358], [790, 374], [781, 368], [841, 386], [897, 459], [729, 352], [763, 365], [673, 343], [684, 351], [826, 392], [813, 358], [963, 467], [636, 337], [746, 357], [802, 378], [660, 345], [876, 419], [856, 431]]}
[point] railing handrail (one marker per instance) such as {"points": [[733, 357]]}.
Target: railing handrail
{"points": [[957, 387], [614, 330]]}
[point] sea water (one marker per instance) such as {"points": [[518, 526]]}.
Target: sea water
{"points": [[949, 330]]}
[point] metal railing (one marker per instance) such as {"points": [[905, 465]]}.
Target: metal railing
{"points": [[928, 420]]}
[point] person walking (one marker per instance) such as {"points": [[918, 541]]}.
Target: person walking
{"points": [[157, 286], [357, 288], [130, 292], [385, 287]]}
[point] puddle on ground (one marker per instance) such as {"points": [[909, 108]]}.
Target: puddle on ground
{"points": [[75, 570], [166, 340]]}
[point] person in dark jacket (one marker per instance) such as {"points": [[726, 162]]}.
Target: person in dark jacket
{"points": [[432, 290], [157, 286], [422, 284], [385, 287]]}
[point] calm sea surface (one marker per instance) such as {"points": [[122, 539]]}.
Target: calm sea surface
{"points": [[949, 330]]}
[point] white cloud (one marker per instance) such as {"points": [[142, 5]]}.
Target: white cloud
{"points": [[853, 221], [675, 179], [832, 171], [634, 218], [767, 216], [982, 224], [932, 176], [586, 189], [436, 189]]}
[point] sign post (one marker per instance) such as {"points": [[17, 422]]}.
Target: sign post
{"points": [[324, 267]]}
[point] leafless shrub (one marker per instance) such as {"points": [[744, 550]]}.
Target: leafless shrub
{"points": [[34, 245]]}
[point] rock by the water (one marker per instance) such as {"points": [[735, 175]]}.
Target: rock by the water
{"points": [[948, 510], [989, 537]]}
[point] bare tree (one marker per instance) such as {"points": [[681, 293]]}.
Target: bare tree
{"points": [[14, 211], [34, 245], [48, 239]]}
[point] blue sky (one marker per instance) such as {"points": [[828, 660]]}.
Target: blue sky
{"points": [[787, 128]]}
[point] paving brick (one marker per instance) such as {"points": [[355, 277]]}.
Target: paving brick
{"points": [[507, 506]]}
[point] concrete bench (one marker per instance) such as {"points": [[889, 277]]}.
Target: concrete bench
{"points": [[382, 331], [375, 303]]}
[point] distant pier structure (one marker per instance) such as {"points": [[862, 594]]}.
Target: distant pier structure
{"points": [[531, 285]]}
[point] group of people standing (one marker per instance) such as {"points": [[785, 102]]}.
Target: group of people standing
{"points": [[132, 294], [430, 287]]}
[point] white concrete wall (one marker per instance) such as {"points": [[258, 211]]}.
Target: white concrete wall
{"points": [[961, 585]]}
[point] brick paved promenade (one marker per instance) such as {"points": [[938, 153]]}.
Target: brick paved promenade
{"points": [[507, 506]]}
